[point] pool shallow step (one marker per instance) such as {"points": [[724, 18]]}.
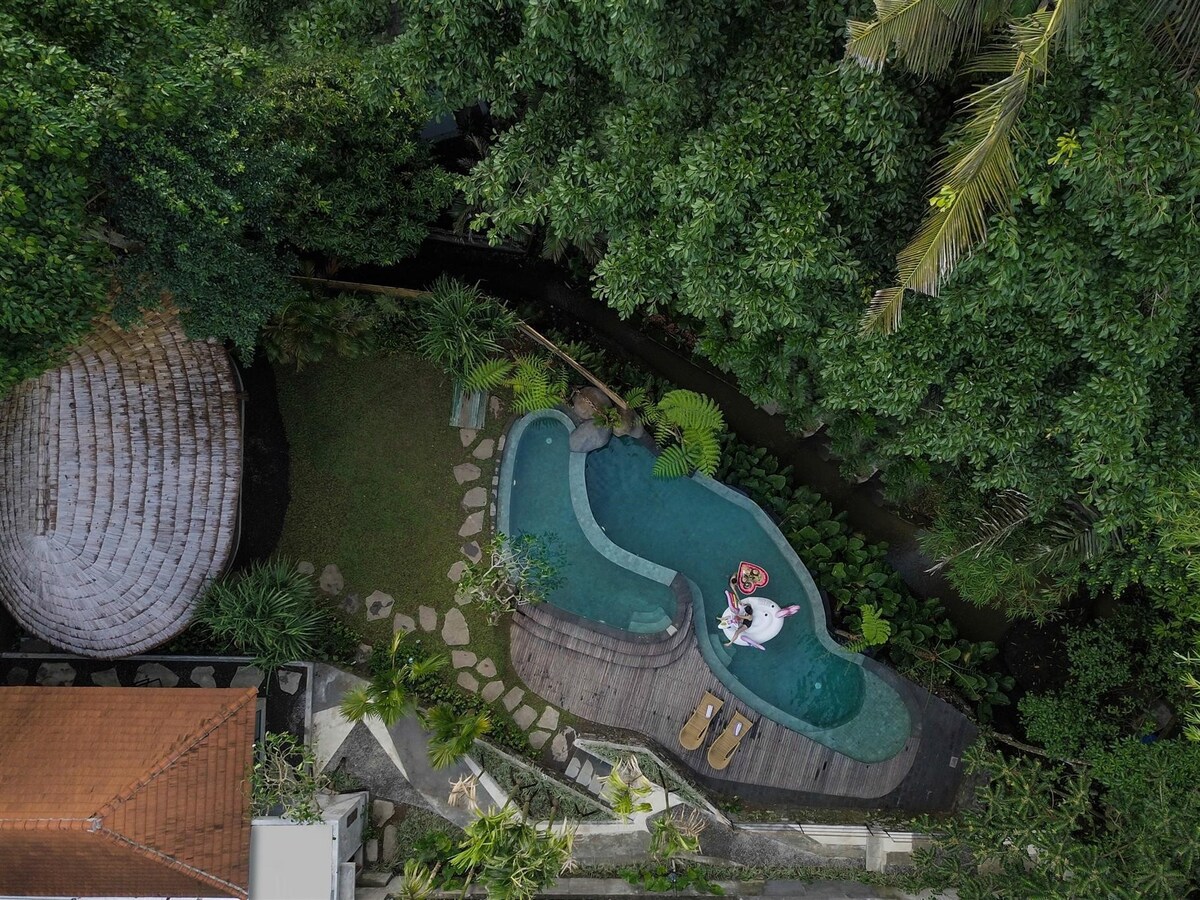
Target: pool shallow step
{"points": [[550, 627], [649, 621]]}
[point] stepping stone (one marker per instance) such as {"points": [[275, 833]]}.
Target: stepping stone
{"points": [[472, 552], [492, 690], [456, 571], [573, 767], [461, 599], [381, 811], [289, 682], [513, 697], [332, 581], [250, 676], [350, 604], [110, 678], [597, 785], [55, 674], [537, 739], [487, 668], [492, 511], [465, 472], [203, 676], [467, 682], [462, 659], [585, 773], [454, 631], [467, 436], [404, 623], [390, 849], [500, 444], [524, 717], [475, 498], [157, 675], [379, 605], [549, 719], [304, 567], [428, 617], [485, 449], [558, 748], [362, 655], [17, 675], [494, 406], [472, 526], [372, 851]]}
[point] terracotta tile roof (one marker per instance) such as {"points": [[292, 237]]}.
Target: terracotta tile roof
{"points": [[125, 791]]}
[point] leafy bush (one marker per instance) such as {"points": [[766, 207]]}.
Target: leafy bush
{"points": [[658, 879], [542, 796], [687, 426], [387, 694], [461, 327], [269, 611], [311, 327], [285, 780], [535, 381]]}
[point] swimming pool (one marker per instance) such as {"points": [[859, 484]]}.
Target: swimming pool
{"points": [[646, 529]]}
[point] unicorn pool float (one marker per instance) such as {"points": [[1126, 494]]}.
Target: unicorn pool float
{"points": [[751, 621]]}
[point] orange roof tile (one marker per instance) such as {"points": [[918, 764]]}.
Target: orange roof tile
{"points": [[125, 791]]}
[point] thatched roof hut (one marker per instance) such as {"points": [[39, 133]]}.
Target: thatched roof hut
{"points": [[119, 480]]}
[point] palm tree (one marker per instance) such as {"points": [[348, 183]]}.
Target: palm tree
{"points": [[676, 833], [452, 735], [978, 174], [513, 859], [388, 694], [626, 787]]}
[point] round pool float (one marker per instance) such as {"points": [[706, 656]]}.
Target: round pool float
{"points": [[766, 622]]}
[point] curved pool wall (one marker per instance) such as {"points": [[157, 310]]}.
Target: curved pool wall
{"points": [[598, 580], [651, 529]]}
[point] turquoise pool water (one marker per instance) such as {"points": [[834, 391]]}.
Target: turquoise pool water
{"points": [[591, 584], [626, 534]]}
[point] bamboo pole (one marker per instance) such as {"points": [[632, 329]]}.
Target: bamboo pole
{"points": [[528, 330]]}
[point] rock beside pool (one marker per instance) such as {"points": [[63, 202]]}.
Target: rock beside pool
{"points": [[588, 401], [631, 424], [589, 436]]}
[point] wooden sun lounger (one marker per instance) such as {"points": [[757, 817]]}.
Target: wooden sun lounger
{"points": [[720, 751], [691, 735]]}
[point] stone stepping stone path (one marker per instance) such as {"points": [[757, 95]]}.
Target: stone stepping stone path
{"points": [[427, 615], [456, 571], [289, 682], [486, 668], [472, 526], [467, 436], [332, 581], [158, 674], [110, 678], [379, 605], [201, 675], [537, 739], [304, 567], [468, 682], [485, 449], [475, 498], [249, 676], [492, 691], [472, 551], [513, 697], [465, 472], [524, 717], [462, 659], [55, 674], [455, 632], [403, 623]]}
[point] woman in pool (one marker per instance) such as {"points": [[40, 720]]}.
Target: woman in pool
{"points": [[743, 614]]}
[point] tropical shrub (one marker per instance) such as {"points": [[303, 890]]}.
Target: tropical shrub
{"points": [[452, 734], [388, 695], [460, 327], [535, 381], [509, 572], [310, 328], [676, 833], [285, 779], [625, 787], [269, 611], [512, 858]]}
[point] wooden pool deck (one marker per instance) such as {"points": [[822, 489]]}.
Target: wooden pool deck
{"points": [[652, 685]]}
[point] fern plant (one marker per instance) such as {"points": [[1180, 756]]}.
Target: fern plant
{"points": [[688, 427], [535, 381], [875, 629]]}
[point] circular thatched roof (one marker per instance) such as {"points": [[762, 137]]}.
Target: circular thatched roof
{"points": [[119, 479]]}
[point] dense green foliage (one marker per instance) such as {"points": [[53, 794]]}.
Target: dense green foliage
{"points": [[269, 611], [1123, 827], [150, 153]]}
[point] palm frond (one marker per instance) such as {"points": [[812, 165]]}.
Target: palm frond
{"points": [[925, 34], [1174, 26], [1008, 511], [357, 705], [978, 172], [689, 409]]}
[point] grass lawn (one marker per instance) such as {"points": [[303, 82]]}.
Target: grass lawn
{"points": [[373, 489]]}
